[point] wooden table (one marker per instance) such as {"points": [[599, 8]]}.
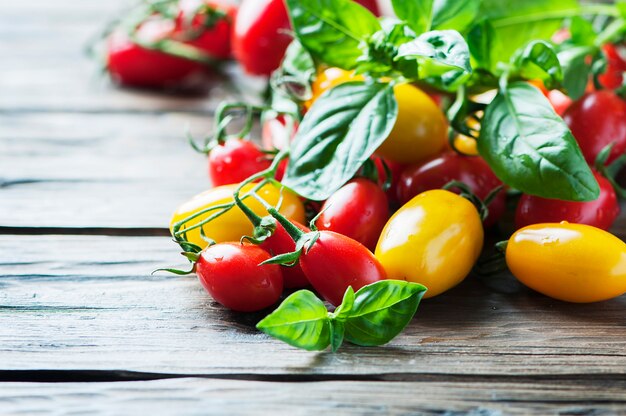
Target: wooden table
{"points": [[88, 178]]}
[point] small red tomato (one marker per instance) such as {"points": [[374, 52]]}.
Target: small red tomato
{"points": [[198, 26], [260, 35], [278, 132], [335, 262], [613, 77], [559, 101], [597, 120], [396, 170], [451, 166], [134, 66], [280, 243], [230, 272], [234, 161], [358, 210], [600, 213]]}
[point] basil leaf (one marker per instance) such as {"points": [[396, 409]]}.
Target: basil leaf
{"points": [[511, 24], [298, 63], [331, 30], [346, 306], [538, 60], [454, 14], [337, 333], [582, 32], [338, 134], [382, 48], [381, 311], [300, 321], [416, 13], [530, 148], [576, 70]]}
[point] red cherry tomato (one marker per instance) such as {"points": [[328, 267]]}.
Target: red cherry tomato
{"points": [[280, 243], [335, 262], [230, 272], [596, 120], [134, 66], [260, 35], [234, 161], [358, 210], [437, 172], [616, 66], [600, 213], [278, 132], [197, 26], [559, 101]]}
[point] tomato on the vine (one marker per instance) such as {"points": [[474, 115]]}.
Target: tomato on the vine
{"points": [[233, 224], [234, 161], [233, 276], [420, 130], [132, 65], [597, 120], [434, 239], [260, 36], [570, 262], [600, 213], [451, 166], [358, 210], [207, 25]]}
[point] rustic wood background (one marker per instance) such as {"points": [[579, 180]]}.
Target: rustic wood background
{"points": [[89, 175]]}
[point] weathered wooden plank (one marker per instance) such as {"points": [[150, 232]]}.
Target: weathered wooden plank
{"points": [[221, 397], [90, 303]]}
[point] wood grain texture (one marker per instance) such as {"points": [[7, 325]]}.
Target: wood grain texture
{"points": [[222, 397], [70, 302]]}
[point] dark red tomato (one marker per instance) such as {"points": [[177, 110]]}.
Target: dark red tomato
{"points": [[278, 132], [396, 170], [234, 161], [197, 25], [260, 35], [371, 5], [600, 213], [437, 172], [134, 66], [616, 66], [280, 243], [597, 120], [230, 272], [335, 262], [358, 210]]}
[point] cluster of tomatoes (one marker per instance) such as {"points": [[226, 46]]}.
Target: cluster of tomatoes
{"points": [[173, 43]]}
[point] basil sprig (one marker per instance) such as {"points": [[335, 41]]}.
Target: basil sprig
{"points": [[373, 316]]}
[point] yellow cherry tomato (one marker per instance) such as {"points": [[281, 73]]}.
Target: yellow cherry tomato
{"points": [[233, 225], [327, 79], [435, 239], [420, 131], [570, 262], [466, 145]]}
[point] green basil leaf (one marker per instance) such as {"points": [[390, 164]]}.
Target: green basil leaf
{"points": [[530, 148], [298, 63], [382, 48], [454, 14], [416, 13], [437, 52], [538, 60], [346, 306], [300, 321], [576, 70], [621, 7], [381, 311], [582, 32], [337, 333], [338, 134], [332, 30], [511, 24]]}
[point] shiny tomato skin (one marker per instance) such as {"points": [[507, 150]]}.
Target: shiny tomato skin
{"points": [[230, 272], [335, 262], [280, 243], [327, 79], [215, 40], [440, 170], [234, 161], [596, 120], [434, 239], [133, 66], [420, 131], [559, 101], [358, 210], [600, 213], [260, 35], [569, 262]]}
